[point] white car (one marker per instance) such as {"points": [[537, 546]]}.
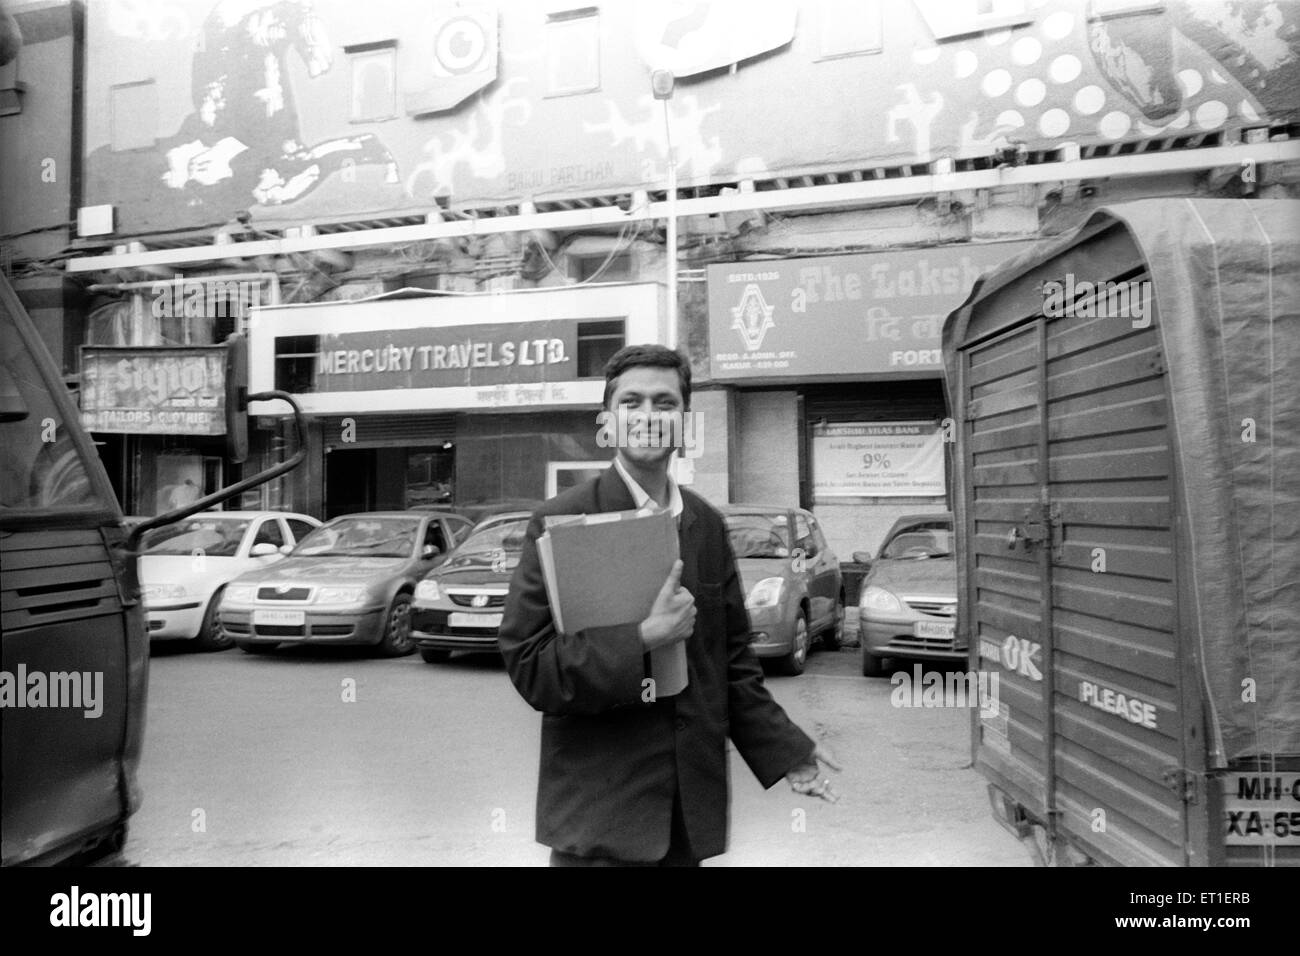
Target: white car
{"points": [[185, 566]]}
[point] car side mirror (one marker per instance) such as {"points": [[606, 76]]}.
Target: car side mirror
{"points": [[430, 551], [286, 548], [861, 557], [264, 548]]}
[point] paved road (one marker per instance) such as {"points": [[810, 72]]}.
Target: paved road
{"points": [[265, 761]]}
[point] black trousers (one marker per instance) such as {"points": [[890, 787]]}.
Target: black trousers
{"points": [[679, 849]]}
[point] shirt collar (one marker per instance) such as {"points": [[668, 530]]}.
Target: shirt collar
{"points": [[642, 499]]}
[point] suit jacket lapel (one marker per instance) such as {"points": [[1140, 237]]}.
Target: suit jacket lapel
{"points": [[612, 493]]}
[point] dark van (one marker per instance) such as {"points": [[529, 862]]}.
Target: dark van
{"points": [[75, 660]]}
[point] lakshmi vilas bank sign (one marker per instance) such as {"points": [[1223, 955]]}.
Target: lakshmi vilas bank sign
{"points": [[873, 313]]}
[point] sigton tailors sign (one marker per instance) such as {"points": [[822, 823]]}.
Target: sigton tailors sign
{"points": [[872, 313]]}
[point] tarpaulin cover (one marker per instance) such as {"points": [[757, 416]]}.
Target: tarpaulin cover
{"points": [[1226, 278]]}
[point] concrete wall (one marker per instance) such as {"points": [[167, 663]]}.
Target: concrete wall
{"points": [[708, 474], [767, 460]]}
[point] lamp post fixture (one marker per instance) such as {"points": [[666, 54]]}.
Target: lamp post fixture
{"points": [[661, 83]]}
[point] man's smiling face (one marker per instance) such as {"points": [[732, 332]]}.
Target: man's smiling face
{"points": [[647, 403]]}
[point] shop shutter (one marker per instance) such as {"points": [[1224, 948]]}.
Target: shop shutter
{"points": [[388, 431]]}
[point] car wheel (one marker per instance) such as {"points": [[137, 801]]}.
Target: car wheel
{"points": [[872, 666], [833, 636], [211, 636], [396, 641], [435, 655], [250, 647], [793, 663]]}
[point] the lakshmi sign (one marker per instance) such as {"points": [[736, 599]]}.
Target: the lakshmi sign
{"points": [[840, 315]]}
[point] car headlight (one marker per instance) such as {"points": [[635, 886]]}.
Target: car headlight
{"points": [[766, 593], [240, 593], [428, 591], [340, 595], [158, 592], [878, 599]]}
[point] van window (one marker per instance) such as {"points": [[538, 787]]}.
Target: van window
{"points": [[40, 465]]}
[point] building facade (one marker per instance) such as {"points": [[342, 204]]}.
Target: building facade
{"points": [[837, 174]]}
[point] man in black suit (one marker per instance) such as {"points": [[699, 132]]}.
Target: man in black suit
{"points": [[628, 777]]}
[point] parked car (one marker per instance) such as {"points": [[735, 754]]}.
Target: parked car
{"points": [[186, 565], [908, 604], [791, 579], [348, 582], [480, 510], [458, 605]]}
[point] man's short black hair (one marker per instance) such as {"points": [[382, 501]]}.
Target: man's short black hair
{"points": [[652, 356]]}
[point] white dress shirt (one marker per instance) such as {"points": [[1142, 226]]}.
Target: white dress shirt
{"points": [[642, 499]]}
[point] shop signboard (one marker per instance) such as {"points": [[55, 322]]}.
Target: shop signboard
{"points": [[154, 390], [878, 460], [856, 315], [482, 355]]}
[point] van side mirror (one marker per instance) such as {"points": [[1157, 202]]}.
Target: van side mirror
{"points": [[236, 397]]}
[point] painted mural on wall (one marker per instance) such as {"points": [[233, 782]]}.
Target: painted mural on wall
{"points": [[267, 125], [243, 143]]}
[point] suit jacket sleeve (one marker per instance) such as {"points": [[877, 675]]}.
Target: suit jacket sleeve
{"points": [[769, 741], [584, 673]]}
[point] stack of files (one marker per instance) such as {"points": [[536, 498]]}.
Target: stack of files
{"points": [[606, 569]]}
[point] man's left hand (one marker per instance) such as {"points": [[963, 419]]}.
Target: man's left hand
{"points": [[807, 778]]}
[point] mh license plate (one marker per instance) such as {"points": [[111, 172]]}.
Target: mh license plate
{"points": [[458, 619], [944, 630], [282, 618]]}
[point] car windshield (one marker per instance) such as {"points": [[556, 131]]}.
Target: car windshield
{"points": [[361, 538], [759, 535], [930, 539], [214, 537], [507, 536]]}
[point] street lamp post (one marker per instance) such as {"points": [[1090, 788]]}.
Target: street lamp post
{"points": [[661, 82]]}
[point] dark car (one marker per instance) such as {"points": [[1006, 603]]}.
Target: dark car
{"points": [[791, 580], [458, 605], [348, 582], [478, 511], [908, 605]]}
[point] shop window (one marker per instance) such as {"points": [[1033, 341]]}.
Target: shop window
{"points": [[572, 51], [597, 343], [374, 84], [850, 27], [563, 475], [295, 363], [429, 475], [133, 111], [603, 268]]}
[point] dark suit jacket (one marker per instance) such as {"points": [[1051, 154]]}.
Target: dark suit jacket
{"points": [[611, 762]]}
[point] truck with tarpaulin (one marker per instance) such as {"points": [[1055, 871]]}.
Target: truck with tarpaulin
{"points": [[1126, 486]]}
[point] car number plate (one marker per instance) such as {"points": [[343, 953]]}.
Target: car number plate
{"points": [[282, 618], [940, 629], [458, 619]]}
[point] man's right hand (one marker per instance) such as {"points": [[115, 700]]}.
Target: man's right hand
{"points": [[672, 618]]}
